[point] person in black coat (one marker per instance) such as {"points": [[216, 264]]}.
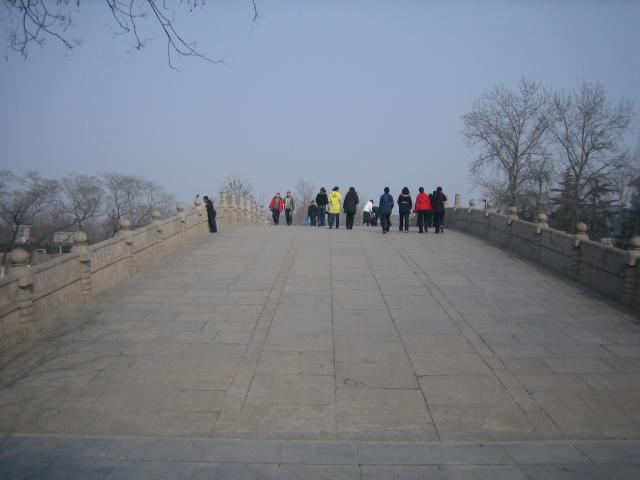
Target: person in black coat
{"points": [[211, 214], [312, 213], [322, 200], [438, 209], [349, 205], [404, 206]]}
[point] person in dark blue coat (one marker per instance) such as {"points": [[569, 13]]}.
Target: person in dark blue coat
{"points": [[385, 207], [404, 206]]}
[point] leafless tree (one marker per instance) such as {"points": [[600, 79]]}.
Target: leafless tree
{"points": [[22, 200], [509, 128], [237, 186], [34, 21], [305, 192], [135, 198], [81, 197], [588, 131]]}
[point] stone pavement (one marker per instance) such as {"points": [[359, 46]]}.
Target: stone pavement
{"points": [[300, 334]]}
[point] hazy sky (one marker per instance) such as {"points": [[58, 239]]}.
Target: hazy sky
{"points": [[364, 93]]}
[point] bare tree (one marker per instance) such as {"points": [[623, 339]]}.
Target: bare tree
{"points": [[588, 130], [81, 197], [237, 186], [305, 192], [509, 128], [135, 198], [33, 21], [22, 200]]}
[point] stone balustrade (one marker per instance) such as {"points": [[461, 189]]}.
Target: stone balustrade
{"points": [[609, 271], [33, 298]]}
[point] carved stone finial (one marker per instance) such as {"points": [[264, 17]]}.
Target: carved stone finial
{"points": [[542, 224], [179, 208], [80, 238], [491, 208], [18, 257], [581, 234], [513, 214], [125, 224], [634, 250], [155, 214]]}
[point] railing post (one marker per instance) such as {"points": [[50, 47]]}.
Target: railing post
{"points": [[127, 237], [513, 215], [181, 217], [81, 246], [197, 207], [20, 269], [157, 222], [490, 210], [579, 237], [222, 207], [541, 226], [631, 273], [472, 204]]}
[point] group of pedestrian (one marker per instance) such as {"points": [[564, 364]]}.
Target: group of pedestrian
{"points": [[428, 208]]}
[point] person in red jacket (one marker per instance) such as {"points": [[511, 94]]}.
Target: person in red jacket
{"points": [[423, 210], [276, 206]]}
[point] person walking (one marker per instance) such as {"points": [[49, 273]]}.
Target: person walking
{"points": [[423, 209], [350, 205], [322, 201], [312, 213], [289, 207], [211, 214], [404, 206], [276, 206], [366, 213], [335, 200], [385, 207], [438, 209]]}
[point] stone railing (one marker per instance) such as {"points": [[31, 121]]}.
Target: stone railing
{"points": [[32, 299], [609, 271]]}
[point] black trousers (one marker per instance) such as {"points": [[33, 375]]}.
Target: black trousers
{"points": [[276, 216], [385, 221], [366, 218], [312, 219], [438, 221], [213, 227], [404, 221], [423, 220], [334, 217], [350, 217], [287, 214], [321, 213]]}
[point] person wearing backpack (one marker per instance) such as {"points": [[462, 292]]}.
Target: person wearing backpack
{"points": [[350, 205], [404, 206], [335, 201], [423, 210], [385, 207]]}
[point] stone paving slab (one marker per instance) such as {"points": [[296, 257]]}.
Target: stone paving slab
{"points": [[75, 457], [307, 334]]}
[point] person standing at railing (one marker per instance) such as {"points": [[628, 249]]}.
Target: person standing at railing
{"points": [[335, 201], [276, 206], [211, 214], [438, 209], [423, 210]]}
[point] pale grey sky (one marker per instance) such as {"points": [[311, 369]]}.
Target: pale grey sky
{"points": [[363, 93]]}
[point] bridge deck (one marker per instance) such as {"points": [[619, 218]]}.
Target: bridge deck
{"points": [[302, 334]]}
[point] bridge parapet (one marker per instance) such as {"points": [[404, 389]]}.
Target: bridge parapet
{"points": [[34, 298], [610, 271]]}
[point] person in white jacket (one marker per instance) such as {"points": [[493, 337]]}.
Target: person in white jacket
{"points": [[366, 213]]}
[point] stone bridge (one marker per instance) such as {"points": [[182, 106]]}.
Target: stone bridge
{"points": [[296, 352]]}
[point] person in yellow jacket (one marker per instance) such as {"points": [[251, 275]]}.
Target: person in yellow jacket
{"points": [[335, 201]]}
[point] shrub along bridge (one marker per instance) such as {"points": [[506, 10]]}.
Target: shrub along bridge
{"points": [[297, 352]]}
